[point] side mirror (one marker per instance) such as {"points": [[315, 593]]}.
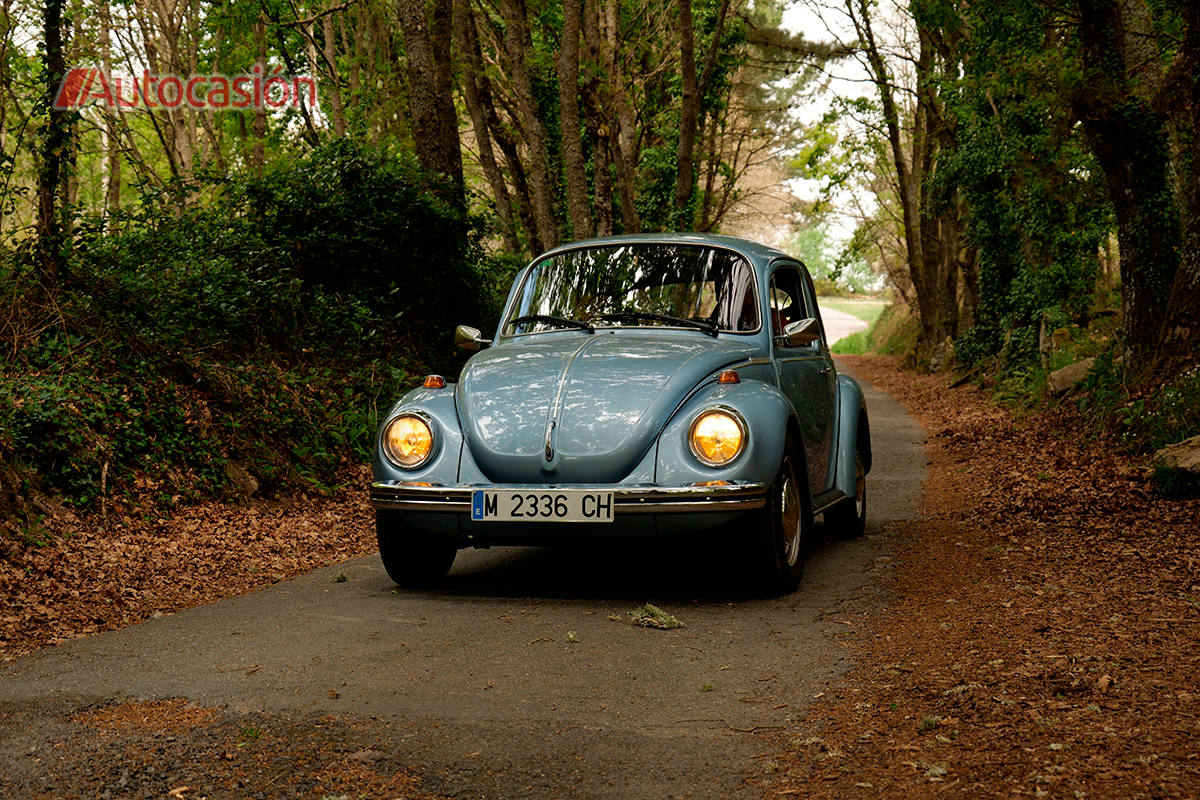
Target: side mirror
{"points": [[468, 338], [800, 333]]}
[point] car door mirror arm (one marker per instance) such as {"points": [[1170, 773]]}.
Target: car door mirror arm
{"points": [[800, 333], [468, 338]]}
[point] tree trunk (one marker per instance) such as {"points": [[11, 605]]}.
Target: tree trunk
{"points": [[1129, 140], [475, 92], [259, 124], [594, 120], [430, 89], [909, 200], [520, 181], [109, 134], [516, 35], [621, 119], [574, 165], [337, 111], [503, 136], [1181, 333], [689, 114], [970, 277], [52, 154]]}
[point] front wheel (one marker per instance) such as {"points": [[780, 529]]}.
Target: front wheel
{"points": [[848, 518], [779, 533], [413, 559]]}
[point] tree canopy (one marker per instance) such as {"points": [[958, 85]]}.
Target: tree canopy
{"points": [[1016, 150]]}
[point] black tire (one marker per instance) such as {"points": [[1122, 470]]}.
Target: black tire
{"points": [[413, 559], [779, 533], [848, 518]]}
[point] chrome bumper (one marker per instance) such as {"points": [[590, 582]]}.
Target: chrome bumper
{"points": [[626, 499]]}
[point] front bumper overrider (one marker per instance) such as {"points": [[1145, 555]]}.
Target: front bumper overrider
{"points": [[421, 497]]}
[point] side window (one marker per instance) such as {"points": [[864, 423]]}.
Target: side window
{"points": [[787, 299]]}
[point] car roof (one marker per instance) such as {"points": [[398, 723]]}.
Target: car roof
{"points": [[759, 254]]}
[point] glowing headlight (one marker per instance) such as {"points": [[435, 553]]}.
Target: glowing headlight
{"points": [[408, 441], [717, 437]]}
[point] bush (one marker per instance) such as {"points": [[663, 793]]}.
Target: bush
{"points": [[355, 221], [1144, 418], [269, 329]]}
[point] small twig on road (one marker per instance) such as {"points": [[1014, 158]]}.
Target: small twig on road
{"points": [[539, 639], [731, 726], [287, 771], [752, 728]]}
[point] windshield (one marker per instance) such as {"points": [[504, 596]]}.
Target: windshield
{"points": [[638, 285]]}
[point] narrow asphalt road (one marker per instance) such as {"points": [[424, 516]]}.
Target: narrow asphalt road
{"points": [[477, 685], [839, 324]]}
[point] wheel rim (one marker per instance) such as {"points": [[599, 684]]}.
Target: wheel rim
{"points": [[789, 515]]}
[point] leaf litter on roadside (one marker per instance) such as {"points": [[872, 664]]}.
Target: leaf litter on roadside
{"points": [[1066, 665], [92, 575]]}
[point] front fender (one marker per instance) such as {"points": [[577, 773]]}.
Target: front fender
{"points": [[438, 405], [766, 412], [854, 434]]}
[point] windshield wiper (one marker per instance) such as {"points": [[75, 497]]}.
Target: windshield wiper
{"points": [[550, 319], [706, 325]]}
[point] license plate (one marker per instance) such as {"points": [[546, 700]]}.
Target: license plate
{"points": [[561, 505]]}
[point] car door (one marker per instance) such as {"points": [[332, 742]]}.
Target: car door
{"points": [[806, 374]]}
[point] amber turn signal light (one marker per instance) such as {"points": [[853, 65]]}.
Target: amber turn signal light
{"points": [[435, 382], [729, 376]]}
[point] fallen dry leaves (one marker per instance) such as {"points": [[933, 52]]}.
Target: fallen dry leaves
{"points": [[177, 749], [94, 575], [1044, 638]]}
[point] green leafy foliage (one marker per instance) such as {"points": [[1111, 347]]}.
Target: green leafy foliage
{"points": [[367, 224], [1038, 204], [893, 332], [833, 273], [1143, 419], [1175, 484], [264, 334]]}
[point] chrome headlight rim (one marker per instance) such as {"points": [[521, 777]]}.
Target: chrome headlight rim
{"points": [[738, 420], [434, 439]]}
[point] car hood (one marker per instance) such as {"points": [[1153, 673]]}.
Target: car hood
{"points": [[580, 409]]}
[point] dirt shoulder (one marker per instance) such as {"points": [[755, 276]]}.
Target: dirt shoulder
{"points": [[1043, 640], [92, 573]]}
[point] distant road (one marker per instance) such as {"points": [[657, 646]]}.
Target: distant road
{"points": [[839, 324]]}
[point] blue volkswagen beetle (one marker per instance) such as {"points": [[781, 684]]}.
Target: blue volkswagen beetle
{"points": [[640, 386]]}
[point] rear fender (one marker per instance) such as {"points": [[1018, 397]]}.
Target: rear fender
{"points": [[854, 435]]}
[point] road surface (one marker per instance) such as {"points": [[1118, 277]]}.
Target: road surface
{"points": [[477, 684], [839, 324]]}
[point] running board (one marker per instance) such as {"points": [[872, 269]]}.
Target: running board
{"points": [[827, 500]]}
